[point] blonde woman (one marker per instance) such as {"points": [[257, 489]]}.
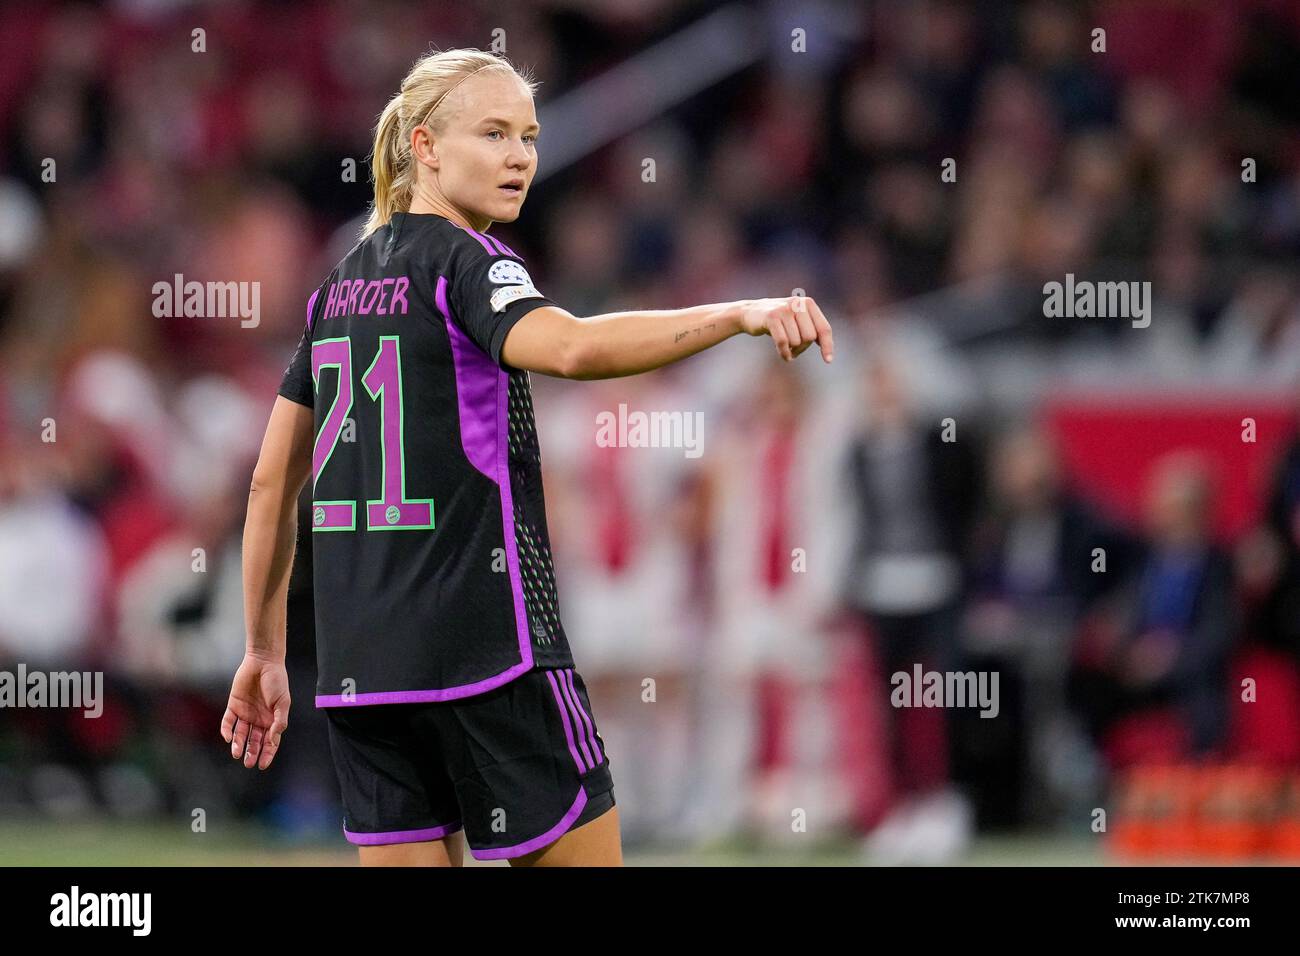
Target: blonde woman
{"points": [[452, 699]]}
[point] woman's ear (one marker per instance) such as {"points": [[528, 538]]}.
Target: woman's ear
{"points": [[422, 145]]}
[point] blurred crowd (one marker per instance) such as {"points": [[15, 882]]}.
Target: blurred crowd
{"points": [[926, 500]]}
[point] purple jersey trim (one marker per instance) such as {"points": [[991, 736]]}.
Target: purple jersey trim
{"points": [[504, 248], [482, 239], [488, 243], [550, 836], [401, 836], [491, 243], [311, 302], [474, 368], [476, 384], [428, 696], [500, 246]]}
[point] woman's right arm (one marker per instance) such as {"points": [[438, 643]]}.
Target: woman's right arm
{"points": [[551, 341], [271, 526], [257, 712]]}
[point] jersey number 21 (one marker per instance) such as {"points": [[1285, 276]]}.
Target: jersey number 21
{"points": [[393, 511]]}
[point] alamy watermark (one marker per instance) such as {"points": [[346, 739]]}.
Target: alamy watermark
{"points": [[208, 300], [651, 430], [922, 688], [129, 910], [73, 689], [1085, 299]]}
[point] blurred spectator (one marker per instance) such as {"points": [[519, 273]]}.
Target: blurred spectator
{"points": [[763, 718], [1280, 621], [1035, 575], [1162, 685], [914, 487], [53, 573]]}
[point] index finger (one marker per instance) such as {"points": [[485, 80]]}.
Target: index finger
{"points": [[823, 327]]}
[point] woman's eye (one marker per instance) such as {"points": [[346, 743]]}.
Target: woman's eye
{"points": [[528, 138]]}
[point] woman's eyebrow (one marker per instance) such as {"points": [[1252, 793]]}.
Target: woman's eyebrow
{"points": [[502, 122]]}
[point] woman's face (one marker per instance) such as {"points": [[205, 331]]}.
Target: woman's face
{"points": [[486, 152]]}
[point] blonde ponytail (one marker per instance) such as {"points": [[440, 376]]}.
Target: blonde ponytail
{"points": [[429, 81]]}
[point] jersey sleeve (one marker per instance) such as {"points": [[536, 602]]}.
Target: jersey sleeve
{"points": [[489, 294], [297, 384]]}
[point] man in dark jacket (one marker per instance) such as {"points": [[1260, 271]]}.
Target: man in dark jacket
{"points": [[1179, 619]]}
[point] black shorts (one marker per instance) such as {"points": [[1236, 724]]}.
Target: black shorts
{"points": [[516, 767]]}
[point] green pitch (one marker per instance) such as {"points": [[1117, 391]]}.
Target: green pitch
{"points": [[42, 843]]}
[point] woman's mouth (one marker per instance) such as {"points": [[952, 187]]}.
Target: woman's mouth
{"points": [[512, 188]]}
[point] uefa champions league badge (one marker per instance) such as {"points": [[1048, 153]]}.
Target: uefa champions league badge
{"points": [[514, 281], [507, 272]]}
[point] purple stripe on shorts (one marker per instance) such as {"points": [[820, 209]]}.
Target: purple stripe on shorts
{"points": [[311, 302], [582, 712], [550, 836], [401, 836], [586, 718], [577, 723], [564, 717]]}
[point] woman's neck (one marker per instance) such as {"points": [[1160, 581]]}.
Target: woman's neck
{"points": [[423, 204]]}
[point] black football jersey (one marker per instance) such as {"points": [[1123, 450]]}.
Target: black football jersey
{"points": [[433, 577]]}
